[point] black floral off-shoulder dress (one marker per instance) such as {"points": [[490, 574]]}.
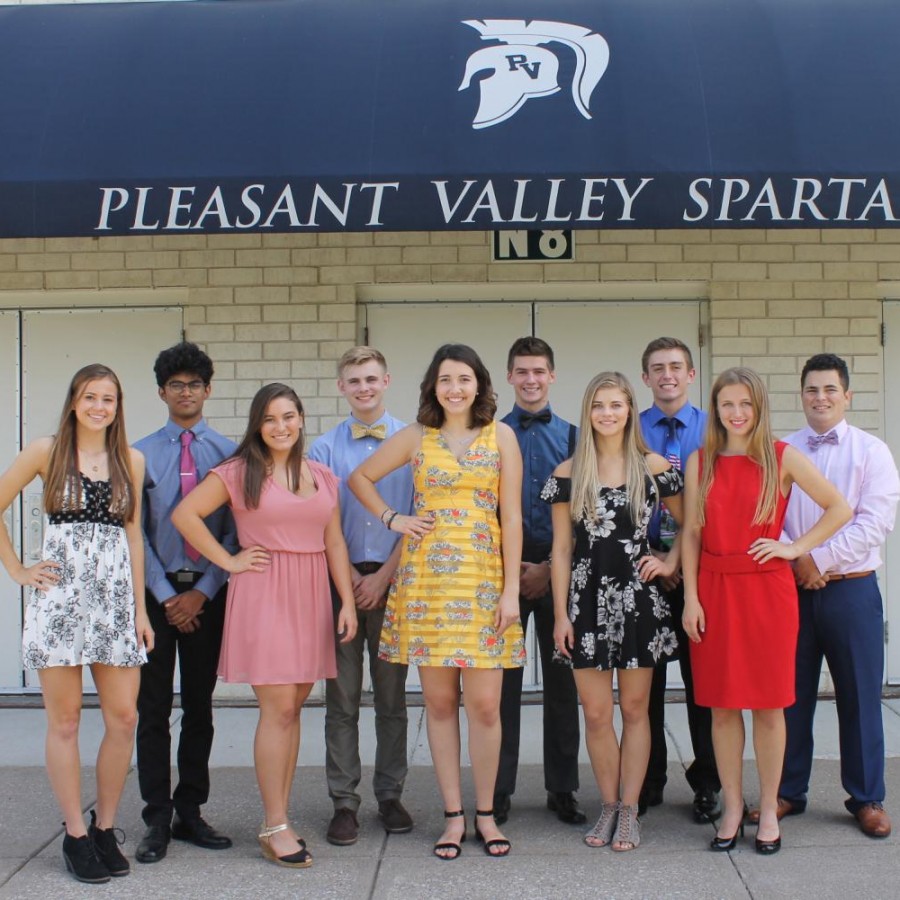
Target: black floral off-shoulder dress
{"points": [[620, 621]]}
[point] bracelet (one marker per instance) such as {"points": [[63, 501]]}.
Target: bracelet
{"points": [[387, 510], [391, 518]]}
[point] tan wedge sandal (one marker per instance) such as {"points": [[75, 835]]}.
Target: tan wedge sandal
{"points": [[299, 860]]}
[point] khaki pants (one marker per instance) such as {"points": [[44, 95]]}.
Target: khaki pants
{"points": [[342, 699]]}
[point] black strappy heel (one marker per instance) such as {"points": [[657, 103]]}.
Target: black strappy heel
{"points": [[451, 845], [502, 844]]}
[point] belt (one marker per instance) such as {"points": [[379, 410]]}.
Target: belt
{"points": [[367, 568], [184, 576], [739, 564], [847, 575]]}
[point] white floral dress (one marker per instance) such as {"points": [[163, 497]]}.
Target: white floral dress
{"points": [[88, 616], [620, 621]]}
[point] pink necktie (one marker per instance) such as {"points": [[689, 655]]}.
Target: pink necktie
{"points": [[188, 469]]}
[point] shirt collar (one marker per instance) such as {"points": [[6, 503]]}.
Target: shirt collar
{"points": [[173, 431], [655, 415]]}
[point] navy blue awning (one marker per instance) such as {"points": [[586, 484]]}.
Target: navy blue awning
{"points": [[333, 115]]}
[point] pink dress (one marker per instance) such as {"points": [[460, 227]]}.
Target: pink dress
{"points": [[279, 624]]}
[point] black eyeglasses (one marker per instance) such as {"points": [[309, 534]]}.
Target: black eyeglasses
{"points": [[179, 387]]}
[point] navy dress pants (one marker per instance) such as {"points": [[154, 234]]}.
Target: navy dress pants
{"points": [[842, 623]]}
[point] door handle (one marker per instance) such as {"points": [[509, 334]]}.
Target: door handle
{"points": [[34, 527]]}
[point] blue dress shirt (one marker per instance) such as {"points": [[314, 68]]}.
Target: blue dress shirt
{"points": [[367, 538], [544, 446], [163, 545], [691, 430]]}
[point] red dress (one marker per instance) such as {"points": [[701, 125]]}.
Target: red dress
{"points": [[746, 657]]}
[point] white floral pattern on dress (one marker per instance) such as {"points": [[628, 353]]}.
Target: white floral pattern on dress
{"points": [[620, 622], [88, 615]]}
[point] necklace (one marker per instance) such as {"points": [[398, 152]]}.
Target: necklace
{"points": [[88, 457], [459, 445], [464, 439]]}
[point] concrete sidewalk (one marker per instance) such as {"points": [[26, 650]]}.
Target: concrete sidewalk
{"points": [[824, 854]]}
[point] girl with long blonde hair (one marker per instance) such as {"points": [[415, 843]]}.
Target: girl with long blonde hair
{"points": [[740, 602], [610, 615], [85, 602]]}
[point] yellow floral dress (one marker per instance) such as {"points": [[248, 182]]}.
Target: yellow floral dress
{"points": [[441, 607]]}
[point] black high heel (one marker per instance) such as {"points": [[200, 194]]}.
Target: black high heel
{"points": [[721, 845], [767, 848], [502, 845], [452, 845]]}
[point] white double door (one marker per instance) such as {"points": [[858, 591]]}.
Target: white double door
{"points": [[40, 350], [586, 338]]}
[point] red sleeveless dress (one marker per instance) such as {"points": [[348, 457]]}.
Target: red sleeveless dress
{"points": [[747, 654]]}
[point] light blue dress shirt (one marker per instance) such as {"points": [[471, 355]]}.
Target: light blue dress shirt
{"points": [[163, 545], [367, 538], [691, 430]]}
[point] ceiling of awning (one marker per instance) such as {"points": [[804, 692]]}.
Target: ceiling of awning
{"points": [[223, 116]]}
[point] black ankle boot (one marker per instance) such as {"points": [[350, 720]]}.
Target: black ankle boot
{"points": [[82, 860], [106, 844]]}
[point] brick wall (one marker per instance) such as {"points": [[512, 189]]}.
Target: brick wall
{"points": [[270, 307]]}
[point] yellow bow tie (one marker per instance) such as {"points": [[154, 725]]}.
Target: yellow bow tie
{"points": [[379, 432]]}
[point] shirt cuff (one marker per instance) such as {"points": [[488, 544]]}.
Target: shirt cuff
{"points": [[208, 585], [162, 591], [823, 559]]}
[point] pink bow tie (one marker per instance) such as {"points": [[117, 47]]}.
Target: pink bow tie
{"points": [[814, 441]]}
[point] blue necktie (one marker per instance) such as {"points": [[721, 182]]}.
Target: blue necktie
{"points": [[673, 443], [667, 526]]}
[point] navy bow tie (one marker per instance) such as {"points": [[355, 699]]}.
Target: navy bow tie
{"points": [[814, 441], [525, 419]]}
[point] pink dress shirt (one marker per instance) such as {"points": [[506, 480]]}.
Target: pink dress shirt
{"points": [[861, 467]]}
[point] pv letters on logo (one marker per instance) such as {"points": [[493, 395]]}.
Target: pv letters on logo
{"points": [[523, 69]]}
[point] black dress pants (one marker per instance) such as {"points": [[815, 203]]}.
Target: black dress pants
{"points": [[701, 773], [562, 732], [198, 657]]}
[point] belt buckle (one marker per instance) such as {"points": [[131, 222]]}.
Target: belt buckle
{"points": [[184, 576]]}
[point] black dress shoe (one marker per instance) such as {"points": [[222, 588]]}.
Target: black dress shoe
{"points": [[154, 844], [566, 807], [501, 808], [707, 806], [650, 796], [199, 833]]}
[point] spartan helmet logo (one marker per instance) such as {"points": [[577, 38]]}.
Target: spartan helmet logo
{"points": [[523, 69]]}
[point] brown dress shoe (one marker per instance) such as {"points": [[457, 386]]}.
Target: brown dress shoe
{"points": [[343, 829], [873, 820], [785, 808], [394, 816]]}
